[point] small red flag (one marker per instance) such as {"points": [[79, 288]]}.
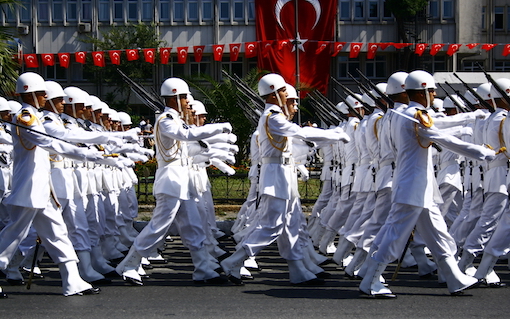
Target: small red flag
{"points": [[115, 56], [149, 55], [338, 47], [282, 44], [420, 48], [80, 57], [250, 49], [506, 49], [488, 46], [472, 45], [31, 60], [321, 46], [198, 50], [98, 57], [48, 59], [372, 50], [434, 49], [355, 49], [452, 48], [64, 59], [164, 54], [266, 47], [234, 51], [182, 55], [400, 45], [218, 51], [132, 54]]}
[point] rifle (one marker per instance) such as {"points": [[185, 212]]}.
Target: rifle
{"points": [[367, 107], [151, 100], [484, 103], [454, 101], [462, 97], [351, 109], [330, 106], [246, 90], [327, 115], [376, 89], [495, 85]]}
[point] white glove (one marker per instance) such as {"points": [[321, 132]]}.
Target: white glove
{"points": [[222, 166], [305, 175], [112, 140], [111, 161], [466, 131], [227, 127], [148, 152], [480, 114], [93, 155]]}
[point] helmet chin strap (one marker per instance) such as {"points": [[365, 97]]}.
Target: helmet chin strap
{"points": [[179, 106], [427, 97], [34, 97], [74, 110], [53, 106]]}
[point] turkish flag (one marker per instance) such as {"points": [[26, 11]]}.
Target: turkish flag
{"points": [[149, 55], [64, 59], [434, 49], [355, 49], [234, 51], [372, 50], [132, 54], [506, 49], [282, 44], [48, 59], [488, 46], [250, 49], [31, 60], [452, 48], [420, 48], [276, 21], [323, 45], [164, 54], [80, 57], [384, 45], [115, 56], [399, 45], [218, 51], [472, 45], [98, 57], [198, 50], [338, 47], [182, 55], [266, 47]]}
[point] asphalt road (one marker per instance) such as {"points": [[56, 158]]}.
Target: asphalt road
{"points": [[170, 293]]}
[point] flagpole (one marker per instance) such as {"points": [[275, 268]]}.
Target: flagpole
{"points": [[296, 47]]}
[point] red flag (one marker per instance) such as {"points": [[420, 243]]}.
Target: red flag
{"points": [[472, 45], [506, 49], [434, 48], [218, 51], [164, 54], [149, 55], [198, 51], [400, 45], [64, 59], [372, 50], [384, 45], [80, 57], [488, 46], [98, 57], [338, 47], [132, 54], [31, 60], [420, 48], [250, 49], [48, 59], [355, 49], [282, 44], [266, 47], [276, 21], [452, 48], [115, 56], [182, 55], [234, 51], [323, 45]]}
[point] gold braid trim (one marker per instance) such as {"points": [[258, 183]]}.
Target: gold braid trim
{"points": [[162, 149], [424, 118], [375, 127], [502, 139], [271, 139]]}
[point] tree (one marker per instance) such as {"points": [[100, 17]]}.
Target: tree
{"points": [[9, 65], [121, 38], [405, 11]]}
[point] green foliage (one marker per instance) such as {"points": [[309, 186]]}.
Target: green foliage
{"points": [[220, 100], [9, 66], [405, 9], [136, 36]]}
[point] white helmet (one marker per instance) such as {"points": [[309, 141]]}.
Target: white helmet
{"points": [[470, 97], [342, 107], [96, 102], [54, 90], [15, 106], [105, 109], [4, 105], [381, 87], [353, 102], [114, 115], [438, 104], [270, 83], [503, 84], [484, 90], [396, 83], [125, 119], [199, 107], [450, 103], [174, 86], [30, 82], [367, 99], [292, 93], [420, 80], [74, 95]]}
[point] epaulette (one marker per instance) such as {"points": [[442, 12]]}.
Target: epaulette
{"points": [[169, 116], [47, 118], [275, 112], [424, 118], [66, 121], [26, 121], [185, 126]]}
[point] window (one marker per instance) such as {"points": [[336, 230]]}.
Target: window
{"points": [[104, 10], [207, 10], [251, 9], [434, 9], [178, 10], [118, 10], [233, 67], [224, 10], [376, 68], [25, 12], [498, 18], [387, 12], [373, 9], [447, 9], [58, 10], [484, 26], [204, 67], [147, 12], [345, 10], [238, 10], [433, 64], [471, 66], [10, 14], [132, 10], [55, 72], [42, 11], [502, 66], [346, 65], [359, 10], [72, 10], [192, 10], [173, 70], [164, 10], [86, 10]]}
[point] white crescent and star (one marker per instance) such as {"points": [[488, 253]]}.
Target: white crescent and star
{"points": [[81, 55], [182, 52], [30, 58], [299, 42], [199, 50], [219, 50], [64, 58], [98, 56], [235, 49], [356, 47], [281, 3], [251, 47]]}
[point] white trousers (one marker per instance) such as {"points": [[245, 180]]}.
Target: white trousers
{"points": [[379, 216]]}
